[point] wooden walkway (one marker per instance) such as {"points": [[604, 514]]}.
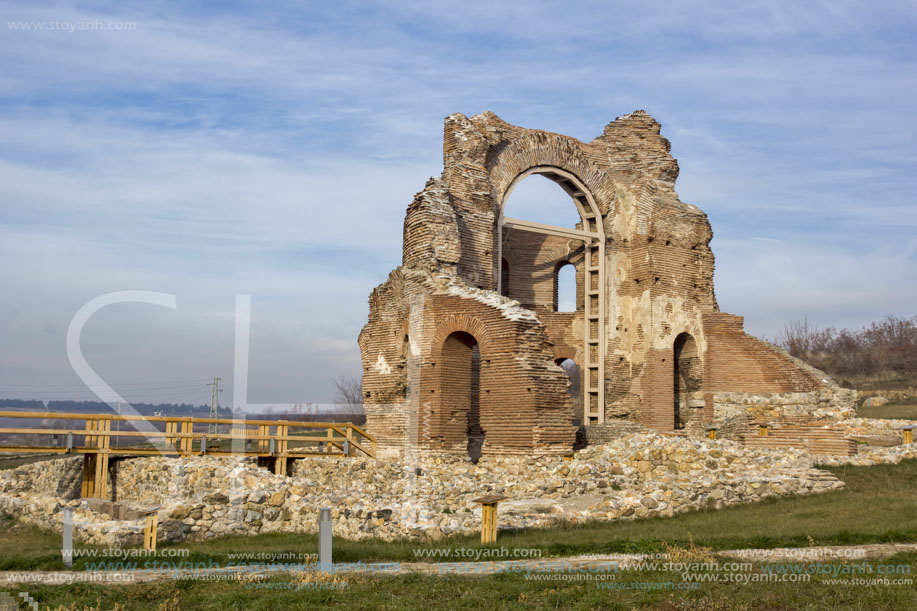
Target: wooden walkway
{"points": [[273, 442]]}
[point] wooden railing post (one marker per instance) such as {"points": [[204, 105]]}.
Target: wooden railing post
{"points": [[280, 461], [186, 428], [104, 443], [489, 516], [170, 428], [90, 426], [150, 527], [89, 471]]}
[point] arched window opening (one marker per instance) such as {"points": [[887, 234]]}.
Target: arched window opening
{"points": [[565, 288], [538, 198], [541, 238], [461, 387], [504, 278], [688, 376]]}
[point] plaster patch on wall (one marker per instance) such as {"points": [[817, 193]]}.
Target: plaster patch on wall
{"points": [[631, 313], [382, 366], [672, 313]]}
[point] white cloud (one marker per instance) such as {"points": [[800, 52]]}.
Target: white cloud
{"points": [[772, 281], [273, 150]]}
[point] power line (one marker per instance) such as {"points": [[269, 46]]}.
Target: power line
{"points": [[214, 405]]}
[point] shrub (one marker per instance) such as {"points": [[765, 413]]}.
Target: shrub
{"points": [[884, 349]]}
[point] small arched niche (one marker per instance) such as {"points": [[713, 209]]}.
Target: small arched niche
{"points": [[687, 376]]}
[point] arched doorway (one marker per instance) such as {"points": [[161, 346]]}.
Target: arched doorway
{"points": [[688, 376], [461, 387], [575, 374]]}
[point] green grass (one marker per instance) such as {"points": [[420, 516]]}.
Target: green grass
{"points": [[905, 411], [876, 506], [878, 382], [833, 518], [27, 547], [505, 591]]}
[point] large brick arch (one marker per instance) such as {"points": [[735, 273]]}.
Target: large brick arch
{"points": [[538, 149], [462, 385], [461, 322], [563, 352]]}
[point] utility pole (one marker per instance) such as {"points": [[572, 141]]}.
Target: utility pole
{"points": [[214, 405]]}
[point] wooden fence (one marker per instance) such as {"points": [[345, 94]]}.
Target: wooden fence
{"points": [[273, 442]]}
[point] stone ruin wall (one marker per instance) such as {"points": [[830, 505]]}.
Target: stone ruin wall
{"points": [[440, 315]]}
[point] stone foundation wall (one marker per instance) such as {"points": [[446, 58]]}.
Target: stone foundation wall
{"points": [[875, 430], [60, 478], [430, 497], [599, 434], [735, 412]]}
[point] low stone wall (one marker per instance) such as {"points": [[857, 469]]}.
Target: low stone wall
{"points": [[734, 413], [869, 456], [813, 438], [610, 430], [639, 475], [881, 430], [35, 493], [60, 478]]}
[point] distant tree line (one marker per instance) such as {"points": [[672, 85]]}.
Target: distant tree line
{"points": [[348, 399], [99, 407], [882, 351], [24, 404]]}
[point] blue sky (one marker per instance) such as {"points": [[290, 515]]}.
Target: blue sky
{"points": [[271, 148]]}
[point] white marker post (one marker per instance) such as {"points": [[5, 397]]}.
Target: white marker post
{"points": [[67, 550], [324, 540]]}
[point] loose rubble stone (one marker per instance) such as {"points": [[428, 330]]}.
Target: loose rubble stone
{"points": [[643, 475]]}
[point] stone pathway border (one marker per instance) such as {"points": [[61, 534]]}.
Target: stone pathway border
{"points": [[597, 563]]}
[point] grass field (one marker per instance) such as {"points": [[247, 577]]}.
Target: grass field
{"points": [[906, 411], [628, 590], [877, 506]]}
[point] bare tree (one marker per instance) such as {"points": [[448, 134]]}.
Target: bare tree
{"points": [[349, 391], [573, 372], [884, 350]]}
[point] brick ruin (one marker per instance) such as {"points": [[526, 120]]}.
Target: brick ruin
{"points": [[461, 350]]}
